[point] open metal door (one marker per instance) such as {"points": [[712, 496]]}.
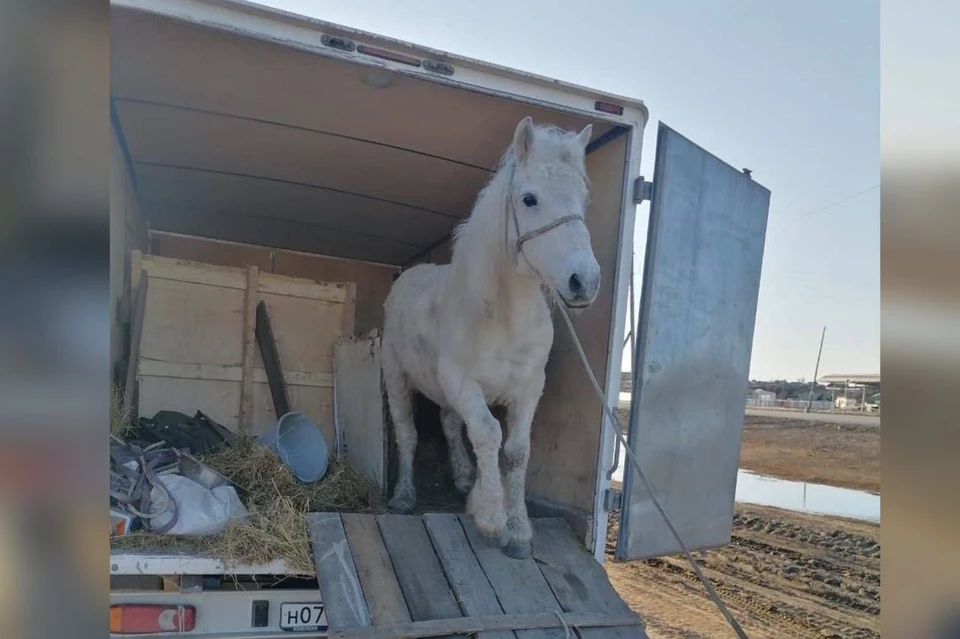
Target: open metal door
{"points": [[698, 307]]}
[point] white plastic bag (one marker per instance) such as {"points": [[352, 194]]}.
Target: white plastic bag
{"points": [[200, 510]]}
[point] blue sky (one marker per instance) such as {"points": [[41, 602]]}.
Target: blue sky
{"points": [[790, 90]]}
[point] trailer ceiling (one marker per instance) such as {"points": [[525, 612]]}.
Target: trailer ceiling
{"points": [[243, 140]]}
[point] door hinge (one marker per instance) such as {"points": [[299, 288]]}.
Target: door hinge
{"points": [[642, 190], [612, 499]]}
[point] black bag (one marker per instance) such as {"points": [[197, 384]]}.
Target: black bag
{"points": [[197, 435]]}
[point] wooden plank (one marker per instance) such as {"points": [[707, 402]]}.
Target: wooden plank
{"points": [[474, 593], [380, 586], [249, 348], [271, 361], [304, 330], [193, 353], [136, 332], [217, 399], [519, 584], [469, 625], [334, 293], [360, 407], [373, 281], [186, 322], [336, 572], [195, 272], [578, 582], [236, 278], [418, 570], [349, 309], [217, 372]]}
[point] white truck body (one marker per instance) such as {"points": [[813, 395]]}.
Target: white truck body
{"points": [[223, 105]]}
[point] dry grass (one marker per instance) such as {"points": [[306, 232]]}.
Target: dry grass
{"points": [[121, 421], [277, 503]]}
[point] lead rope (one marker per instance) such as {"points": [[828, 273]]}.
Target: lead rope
{"points": [[518, 252]]}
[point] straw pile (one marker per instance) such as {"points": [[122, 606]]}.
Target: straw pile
{"points": [[277, 503]]}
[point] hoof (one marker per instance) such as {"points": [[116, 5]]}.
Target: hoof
{"points": [[399, 506], [463, 485], [518, 549]]}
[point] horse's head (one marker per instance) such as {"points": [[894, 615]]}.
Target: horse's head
{"points": [[548, 200]]}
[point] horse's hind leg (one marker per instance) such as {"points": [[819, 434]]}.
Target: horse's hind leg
{"points": [[399, 399], [461, 466]]}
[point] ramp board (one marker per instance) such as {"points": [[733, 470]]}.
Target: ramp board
{"points": [[431, 576], [698, 307]]}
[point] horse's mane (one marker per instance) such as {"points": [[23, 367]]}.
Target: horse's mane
{"points": [[479, 246]]}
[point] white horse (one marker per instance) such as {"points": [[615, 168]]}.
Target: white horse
{"points": [[477, 332]]}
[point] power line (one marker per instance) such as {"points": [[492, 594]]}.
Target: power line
{"points": [[833, 204]]}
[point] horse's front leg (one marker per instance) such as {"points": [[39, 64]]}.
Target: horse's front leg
{"points": [[485, 502], [516, 454]]}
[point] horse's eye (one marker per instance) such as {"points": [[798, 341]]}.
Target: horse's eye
{"points": [[529, 200]]}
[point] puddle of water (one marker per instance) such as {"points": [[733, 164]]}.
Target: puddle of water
{"points": [[799, 496], [805, 497]]}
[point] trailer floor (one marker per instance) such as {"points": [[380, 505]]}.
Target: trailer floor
{"points": [[389, 570]]}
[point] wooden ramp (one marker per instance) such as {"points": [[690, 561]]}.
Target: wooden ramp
{"points": [[393, 576]]}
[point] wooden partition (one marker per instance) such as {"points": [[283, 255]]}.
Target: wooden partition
{"points": [[373, 280], [197, 348]]}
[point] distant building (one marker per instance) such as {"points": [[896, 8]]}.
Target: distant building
{"points": [[764, 395], [854, 391], [844, 403]]}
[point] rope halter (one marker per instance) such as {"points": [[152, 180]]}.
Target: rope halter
{"points": [[529, 235]]}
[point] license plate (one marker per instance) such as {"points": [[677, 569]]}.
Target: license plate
{"points": [[303, 617]]}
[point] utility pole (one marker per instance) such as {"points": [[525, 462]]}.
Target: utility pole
{"points": [[813, 383]]}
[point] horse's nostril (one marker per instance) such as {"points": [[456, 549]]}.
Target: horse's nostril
{"points": [[576, 285]]}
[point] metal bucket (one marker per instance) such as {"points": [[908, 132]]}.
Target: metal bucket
{"points": [[300, 445]]}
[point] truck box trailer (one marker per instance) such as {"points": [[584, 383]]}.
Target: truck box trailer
{"points": [[246, 134]]}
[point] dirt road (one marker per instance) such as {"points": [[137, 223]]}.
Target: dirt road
{"points": [[783, 575], [858, 419]]}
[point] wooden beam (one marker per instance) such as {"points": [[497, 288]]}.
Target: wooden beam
{"points": [[337, 573], [249, 348], [474, 593], [470, 625], [271, 361], [519, 584], [236, 278], [579, 583], [226, 373], [136, 331], [350, 309], [375, 570], [417, 567]]}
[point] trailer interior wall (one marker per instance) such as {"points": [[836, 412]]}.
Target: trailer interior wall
{"points": [[127, 232], [373, 280], [236, 139]]}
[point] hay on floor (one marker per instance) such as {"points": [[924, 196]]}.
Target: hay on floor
{"points": [[277, 503]]}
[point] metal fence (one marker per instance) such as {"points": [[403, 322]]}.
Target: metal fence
{"points": [[753, 402]]}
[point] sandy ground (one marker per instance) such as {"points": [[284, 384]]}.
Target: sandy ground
{"points": [[783, 574], [845, 455]]}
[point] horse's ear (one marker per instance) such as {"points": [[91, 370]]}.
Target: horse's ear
{"points": [[584, 136], [523, 138]]}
